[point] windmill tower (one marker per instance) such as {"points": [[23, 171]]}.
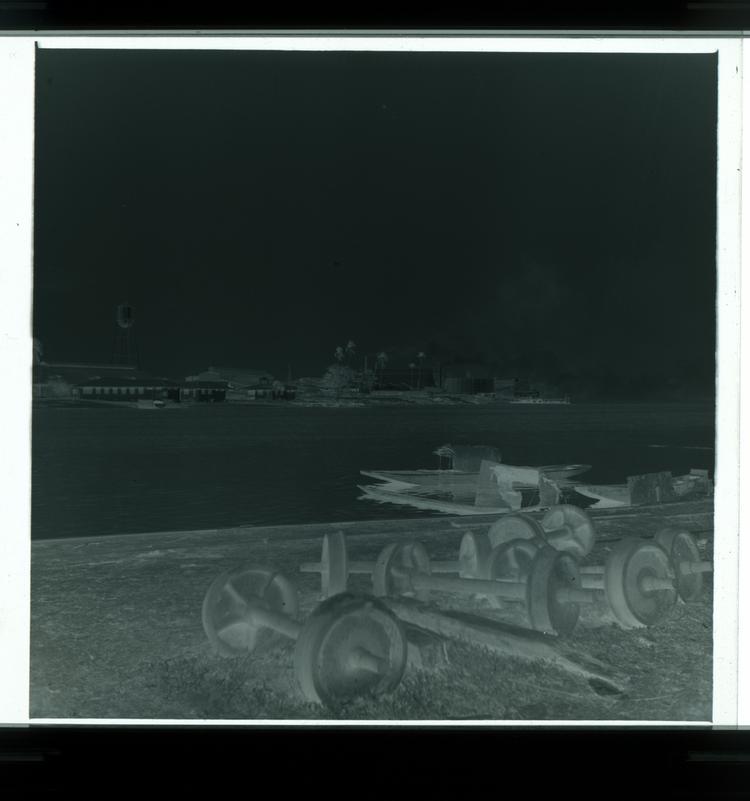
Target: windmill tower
{"points": [[124, 351]]}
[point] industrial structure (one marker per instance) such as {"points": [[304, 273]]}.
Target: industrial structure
{"points": [[124, 351]]}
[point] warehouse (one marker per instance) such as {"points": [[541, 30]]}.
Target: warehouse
{"points": [[126, 389]]}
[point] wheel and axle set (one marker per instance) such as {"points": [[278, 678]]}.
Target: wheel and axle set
{"points": [[349, 646], [521, 560], [353, 645]]}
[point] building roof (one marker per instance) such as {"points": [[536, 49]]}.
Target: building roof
{"points": [[86, 366], [150, 381], [123, 381], [75, 373]]}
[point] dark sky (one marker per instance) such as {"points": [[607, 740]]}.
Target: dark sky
{"points": [[546, 213]]}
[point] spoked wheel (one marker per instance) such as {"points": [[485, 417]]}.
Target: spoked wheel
{"points": [[230, 601]]}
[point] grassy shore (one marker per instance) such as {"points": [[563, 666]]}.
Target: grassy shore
{"points": [[116, 633]]}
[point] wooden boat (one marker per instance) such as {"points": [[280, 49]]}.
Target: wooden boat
{"points": [[461, 471], [458, 479], [605, 496], [502, 489], [496, 489], [390, 493], [649, 488], [463, 480]]}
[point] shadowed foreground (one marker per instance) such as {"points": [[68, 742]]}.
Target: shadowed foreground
{"points": [[116, 633]]}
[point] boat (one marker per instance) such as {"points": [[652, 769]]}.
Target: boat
{"points": [[457, 479], [392, 494], [492, 488], [525, 497], [649, 488], [605, 496], [461, 473]]}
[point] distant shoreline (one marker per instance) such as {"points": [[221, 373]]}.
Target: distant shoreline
{"points": [[364, 402]]}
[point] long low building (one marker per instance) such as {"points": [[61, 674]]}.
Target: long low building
{"points": [[124, 389], [60, 379]]}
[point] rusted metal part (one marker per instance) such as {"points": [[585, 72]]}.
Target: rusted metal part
{"points": [[335, 566], [537, 580], [569, 528], [348, 647], [507, 640], [518, 526], [427, 651], [686, 562], [637, 581], [631, 599]]}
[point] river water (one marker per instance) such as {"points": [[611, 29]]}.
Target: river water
{"points": [[101, 471]]}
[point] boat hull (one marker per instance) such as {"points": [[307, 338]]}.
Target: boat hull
{"points": [[444, 479], [425, 503], [462, 481]]}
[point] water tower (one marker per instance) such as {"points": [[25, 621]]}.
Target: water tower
{"points": [[124, 351]]}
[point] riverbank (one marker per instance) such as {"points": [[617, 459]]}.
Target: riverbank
{"points": [[116, 632], [310, 402]]}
